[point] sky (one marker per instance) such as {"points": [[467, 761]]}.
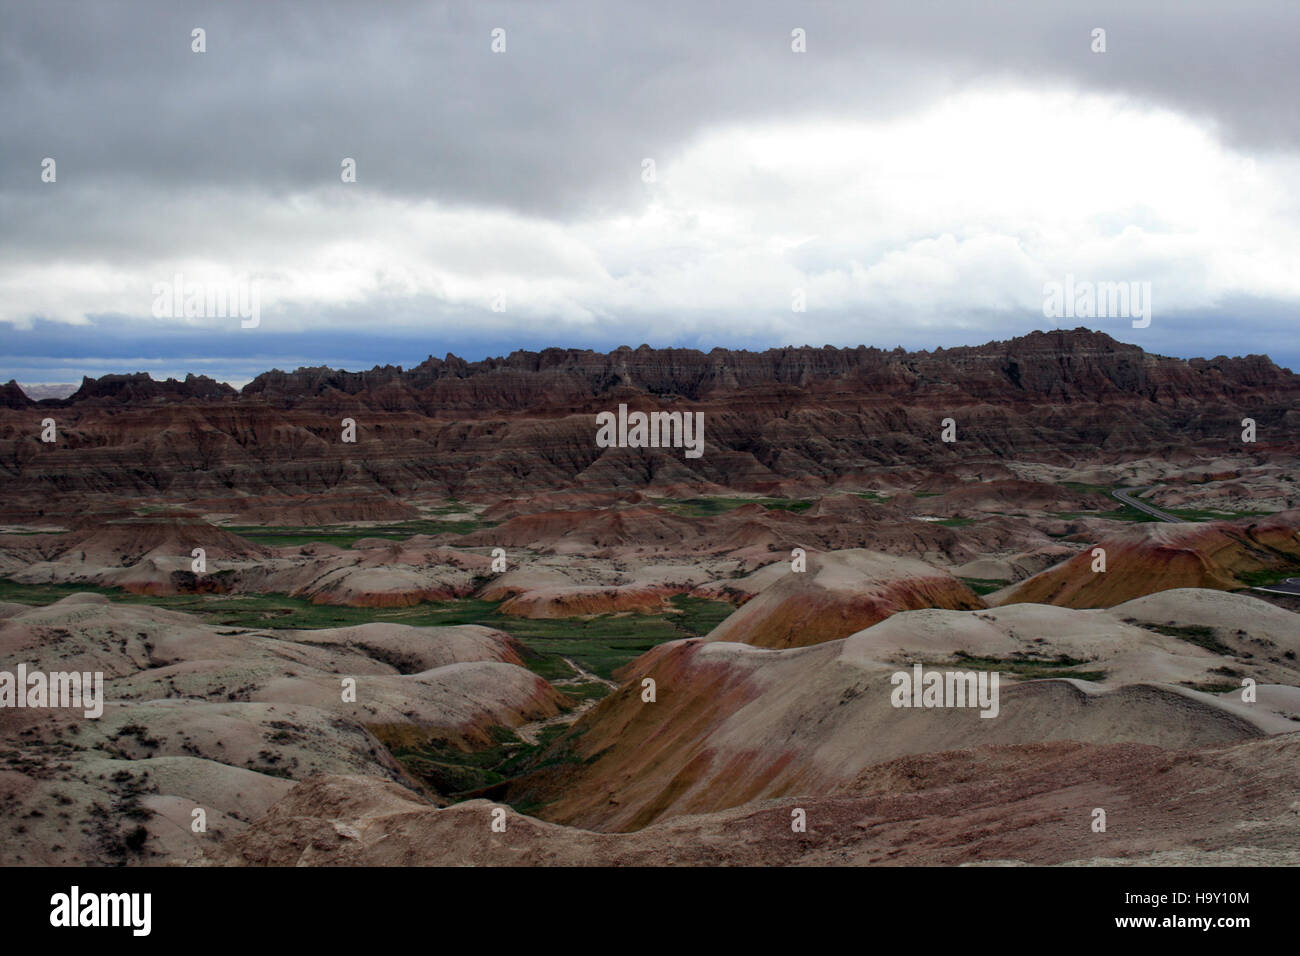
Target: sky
{"points": [[596, 174]]}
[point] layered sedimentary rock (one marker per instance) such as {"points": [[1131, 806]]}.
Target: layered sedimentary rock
{"points": [[1023, 804], [526, 422], [837, 594], [732, 723], [1157, 557], [225, 720]]}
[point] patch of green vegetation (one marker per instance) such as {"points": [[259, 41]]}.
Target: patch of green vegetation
{"points": [[549, 667], [787, 504], [709, 507], [454, 772], [955, 522], [345, 536], [984, 585], [698, 615], [1196, 634], [450, 769], [41, 594], [1124, 513], [1210, 687], [600, 644], [1267, 577], [872, 495], [589, 690], [927, 494], [1026, 667]]}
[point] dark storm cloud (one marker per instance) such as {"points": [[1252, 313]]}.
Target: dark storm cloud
{"points": [[558, 125]]}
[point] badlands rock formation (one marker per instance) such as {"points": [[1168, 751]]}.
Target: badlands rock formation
{"points": [[1029, 804], [839, 593], [774, 420], [734, 723], [741, 738], [225, 721], [1157, 557], [1162, 688]]}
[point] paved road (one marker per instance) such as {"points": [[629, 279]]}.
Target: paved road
{"points": [[1126, 495], [1289, 586]]}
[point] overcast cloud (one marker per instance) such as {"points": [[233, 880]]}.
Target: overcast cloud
{"points": [[915, 177]]}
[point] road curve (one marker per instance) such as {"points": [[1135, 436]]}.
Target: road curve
{"points": [[1126, 495]]}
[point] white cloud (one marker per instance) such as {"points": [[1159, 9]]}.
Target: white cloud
{"points": [[961, 209]]}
